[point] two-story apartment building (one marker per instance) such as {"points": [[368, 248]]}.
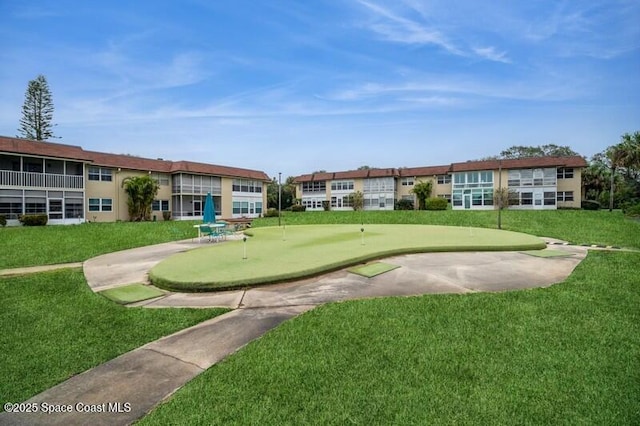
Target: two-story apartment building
{"points": [[537, 183], [72, 185]]}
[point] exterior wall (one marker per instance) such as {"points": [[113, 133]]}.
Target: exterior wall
{"points": [[339, 197], [379, 193], [227, 207], [573, 185], [473, 190], [536, 188], [247, 202], [404, 186], [42, 185]]}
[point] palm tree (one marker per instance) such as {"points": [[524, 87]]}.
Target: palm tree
{"points": [[615, 154], [142, 191]]}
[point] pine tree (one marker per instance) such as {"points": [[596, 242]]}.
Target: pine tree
{"points": [[37, 111]]}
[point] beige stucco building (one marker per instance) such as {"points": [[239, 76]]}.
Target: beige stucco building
{"points": [[534, 183], [72, 185]]}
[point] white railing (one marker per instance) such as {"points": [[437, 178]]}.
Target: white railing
{"points": [[40, 180]]}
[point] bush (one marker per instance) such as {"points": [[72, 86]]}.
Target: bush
{"points": [[166, 215], [298, 208], [632, 210], [3, 220], [436, 203], [33, 219], [590, 205], [404, 204], [271, 213], [326, 205]]}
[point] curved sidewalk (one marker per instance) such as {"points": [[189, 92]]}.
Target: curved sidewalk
{"points": [[146, 376]]}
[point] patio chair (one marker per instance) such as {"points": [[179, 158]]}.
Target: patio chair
{"points": [[209, 232]]}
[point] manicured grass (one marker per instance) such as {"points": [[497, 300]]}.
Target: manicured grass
{"points": [[131, 293], [62, 244], [567, 354], [374, 269], [548, 253], [575, 226], [54, 326], [303, 251], [46, 245]]}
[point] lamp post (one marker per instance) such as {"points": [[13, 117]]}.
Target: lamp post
{"points": [[362, 236], [500, 199], [279, 196]]}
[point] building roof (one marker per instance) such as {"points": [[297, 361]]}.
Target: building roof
{"points": [[43, 149], [532, 162], [130, 162], [349, 174], [213, 169], [56, 150], [424, 171]]}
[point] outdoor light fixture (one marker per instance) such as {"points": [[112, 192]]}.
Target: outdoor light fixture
{"points": [[362, 235]]}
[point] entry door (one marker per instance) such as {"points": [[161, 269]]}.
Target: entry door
{"points": [[55, 208], [252, 208], [467, 201], [197, 208], [538, 196]]}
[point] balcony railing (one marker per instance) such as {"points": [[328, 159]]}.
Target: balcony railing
{"points": [[40, 180]]}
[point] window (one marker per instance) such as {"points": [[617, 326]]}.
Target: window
{"points": [[339, 185], [259, 207], [445, 196], [408, 181], [565, 173], [160, 205], [564, 196], [245, 185], [526, 198], [549, 198], [100, 174], [73, 208], [161, 179], [100, 204], [457, 198], [444, 179], [315, 186]]}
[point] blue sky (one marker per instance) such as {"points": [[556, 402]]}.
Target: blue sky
{"points": [[292, 87]]}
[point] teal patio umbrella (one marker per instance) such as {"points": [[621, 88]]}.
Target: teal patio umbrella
{"points": [[209, 214]]}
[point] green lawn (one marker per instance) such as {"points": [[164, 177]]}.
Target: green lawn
{"points": [[576, 226], [60, 244], [276, 255], [568, 354], [75, 243], [54, 326]]}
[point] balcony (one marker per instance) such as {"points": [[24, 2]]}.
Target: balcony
{"points": [[40, 180]]}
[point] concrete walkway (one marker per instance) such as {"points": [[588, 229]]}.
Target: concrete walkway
{"points": [[129, 386]]}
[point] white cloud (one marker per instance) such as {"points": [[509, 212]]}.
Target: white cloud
{"points": [[490, 53]]}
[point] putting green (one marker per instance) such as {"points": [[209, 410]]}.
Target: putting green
{"points": [[275, 255]]}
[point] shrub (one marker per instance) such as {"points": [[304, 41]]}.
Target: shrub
{"points": [[404, 204], [3, 220], [436, 203], [33, 219], [590, 205], [326, 205], [298, 208], [166, 215], [632, 210], [271, 213]]}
